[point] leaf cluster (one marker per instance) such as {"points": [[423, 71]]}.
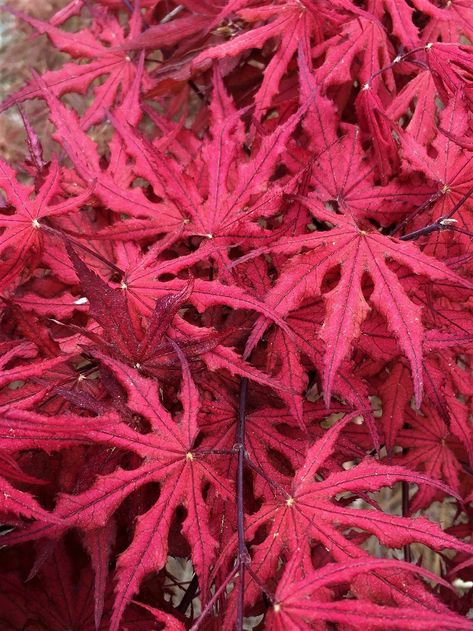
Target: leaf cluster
{"points": [[237, 318]]}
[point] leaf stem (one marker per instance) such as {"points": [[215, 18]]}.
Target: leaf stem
{"points": [[98, 256], [398, 59], [266, 478], [261, 585]]}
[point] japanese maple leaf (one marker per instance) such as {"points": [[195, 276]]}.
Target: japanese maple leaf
{"points": [[21, 364], [59, 597], [104, 48], [451, 67], [15, 351], [290, 22], [167, 454], [59, 306], [341, 175], [22, 238], [371, 119], [396, 394], [451, 174], [401, 14], [112, 185], [236, 195], [361, 40], [302, 601], [356, 251], [429, 446], [123, 336], [421, 91], [307, 511], [12, 500], [368, 475], [446, 23], [153, 352], [305, 325]]}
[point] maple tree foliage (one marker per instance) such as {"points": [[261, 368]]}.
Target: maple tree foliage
{"points": [[237, 319]]}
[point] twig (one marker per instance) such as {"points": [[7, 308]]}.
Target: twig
{"points": [[398, 59], [416, 212], [443, 223], [214, 599], [243, 555], [189, 595], [405, 513]]}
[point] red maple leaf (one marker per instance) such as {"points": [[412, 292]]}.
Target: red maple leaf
{"points": [[104, 47], [22, 239], [291, 609]]}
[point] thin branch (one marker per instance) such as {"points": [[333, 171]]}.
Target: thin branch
{"points": [[416, 212], [243, 555], [189, 595], [214, 599], [405, 513], [443, 223], [422, 232], [128, 5], [398, 59]]}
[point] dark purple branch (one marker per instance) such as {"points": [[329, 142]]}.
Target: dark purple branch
{"points": [[422, 232], [243, 558], [189, 595], [405, 513], [416, 212], [440, 225], [460, 202], [461, 231], [398, 59], [443, 223], [243, 555]]}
